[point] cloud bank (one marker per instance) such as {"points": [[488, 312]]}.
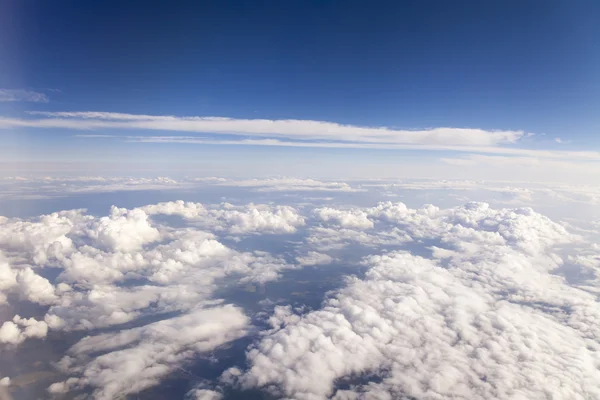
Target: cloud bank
{"points": [[465, 302], [124, 268], [482, 317]]}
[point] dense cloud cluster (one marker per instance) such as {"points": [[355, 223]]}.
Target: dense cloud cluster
{"points": [[121, 267], [468, 302], [483, 317]]}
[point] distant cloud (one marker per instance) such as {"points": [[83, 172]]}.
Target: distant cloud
{"points": [[292, 129], [501, 150], [22, 95], [561, 141]]}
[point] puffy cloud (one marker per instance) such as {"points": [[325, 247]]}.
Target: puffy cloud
{"points": [[484, 318], [179, 275], [521, 227], [35, 288], [26, 282], [429, 335], [481, 313], [278, 219], [134, 359], [8, 277], [19, 329], [41, 239], [234, 219], [348, 219], [124, 230], [121, 267], [314, 258], [188, 209]]}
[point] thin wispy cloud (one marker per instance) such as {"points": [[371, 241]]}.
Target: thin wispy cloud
{"points": [[511, 151], [291, 129], [9, 95], [561, 141]]}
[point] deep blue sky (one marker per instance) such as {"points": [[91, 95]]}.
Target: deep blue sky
{"points": [[526, 65]]}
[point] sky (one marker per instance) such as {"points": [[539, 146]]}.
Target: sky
{"points": [[455, 85]]}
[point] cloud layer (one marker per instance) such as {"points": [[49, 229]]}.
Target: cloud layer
{"points": [[483, 317], [123, 267], [467, 302]]}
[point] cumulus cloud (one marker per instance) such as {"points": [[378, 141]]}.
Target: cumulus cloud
{"points": [[8, 278], [16, 331], [347, 219], [40, 239], [123, 230], [135, 359], [174, 274], [464, 302], [234, 219], [35, 288], [484, 317]]}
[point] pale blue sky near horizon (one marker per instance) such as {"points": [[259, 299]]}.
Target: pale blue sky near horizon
{"points": [[521, 66]]}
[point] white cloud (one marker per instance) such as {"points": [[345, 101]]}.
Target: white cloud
{"points": [[346, 219], [178, 270], [290, 184], [35, 288], [484, 318], [41, 239], [22, 95], [124, 230], [481, 313], [153, 351], [291, 129], [519, 154], [96, 253], [19, 187], [8, 278], [234, 219], [47, 186], [16, 331], [314, 258]]}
